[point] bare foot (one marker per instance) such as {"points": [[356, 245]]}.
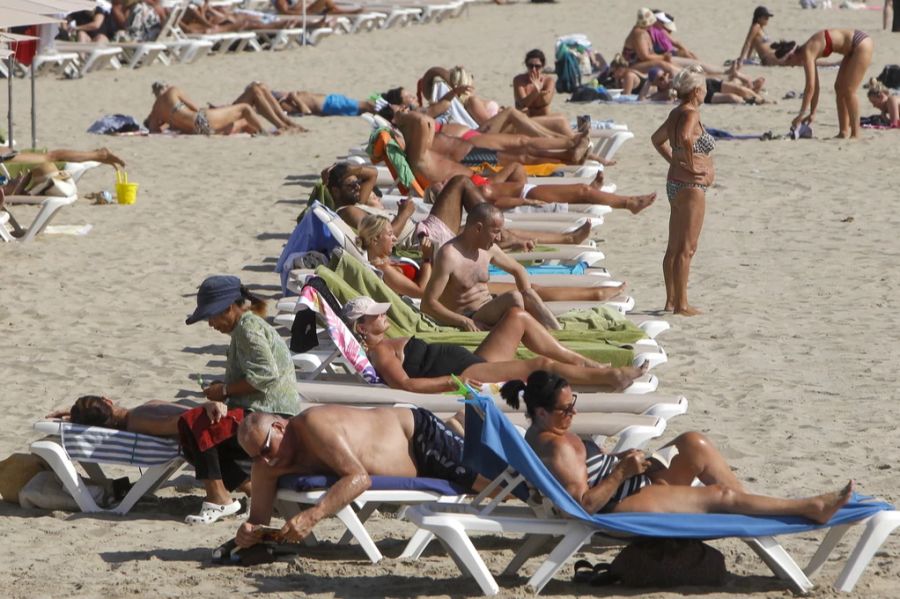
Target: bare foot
{"points": [[107, 157], [669, 307], [638, 203], [758, 84], [598, 180], [687, 311], [296, 129], [580, 234], [826, 505]]}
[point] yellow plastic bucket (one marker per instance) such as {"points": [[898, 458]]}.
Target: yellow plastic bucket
{"points": [[126, 193]]}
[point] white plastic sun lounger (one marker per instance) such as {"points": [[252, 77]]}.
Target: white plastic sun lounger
{"points": [[92, 446], [48, 208], [453, 524]]}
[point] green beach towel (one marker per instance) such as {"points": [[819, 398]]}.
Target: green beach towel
{"points": [[598, 333]]}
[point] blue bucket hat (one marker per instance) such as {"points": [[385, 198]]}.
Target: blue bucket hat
{"points": [[216, 293]]}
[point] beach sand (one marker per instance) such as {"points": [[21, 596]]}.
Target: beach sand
{"points": [[789, 370]]}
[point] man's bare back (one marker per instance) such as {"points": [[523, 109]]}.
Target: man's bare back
{"points": [[379, 439], [155, 418]]}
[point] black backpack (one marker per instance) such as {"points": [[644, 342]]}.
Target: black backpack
{"points": [[568, 73], [890, 76], [662, 563], [586, 93]]}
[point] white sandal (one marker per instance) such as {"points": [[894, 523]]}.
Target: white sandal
{"points": [[210, 512]]}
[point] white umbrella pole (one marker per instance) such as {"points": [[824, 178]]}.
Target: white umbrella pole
{"points": [[305, 32], [9, 113], [33, 111]]}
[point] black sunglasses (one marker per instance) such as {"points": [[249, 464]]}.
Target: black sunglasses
{"points": [[568, 410], [534, 65]]}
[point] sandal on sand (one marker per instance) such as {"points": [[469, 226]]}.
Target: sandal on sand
{"points": [[210, 512]]}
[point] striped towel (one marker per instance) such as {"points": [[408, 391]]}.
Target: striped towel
{"points": [[109, 446]]}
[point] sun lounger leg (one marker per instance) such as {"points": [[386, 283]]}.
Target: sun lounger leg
{"points": [[778, 560], [365, 511], [148, 483], [834, 536], [417, 544], [877, 530], [56, 457], [573, 540], [531, 546], [356, 528]]}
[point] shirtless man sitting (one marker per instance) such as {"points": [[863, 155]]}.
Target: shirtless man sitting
{"points": [[457, 293], [351, 443], [152, 418]]}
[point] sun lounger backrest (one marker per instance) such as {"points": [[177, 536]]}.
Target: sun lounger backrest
{"points": [[341, 335], [109, 446], [458, 112], [497, 441]]}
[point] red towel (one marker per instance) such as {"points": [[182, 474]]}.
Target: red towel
{"points": [[207, 433]]}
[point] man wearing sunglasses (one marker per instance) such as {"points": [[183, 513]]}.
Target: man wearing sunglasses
{"points": [[350, 443]]}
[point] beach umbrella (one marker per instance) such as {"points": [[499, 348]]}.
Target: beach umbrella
{"points": [[50, 7], [10, 17]]}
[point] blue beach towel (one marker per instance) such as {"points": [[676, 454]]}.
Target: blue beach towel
{"points": [[493, 443]]}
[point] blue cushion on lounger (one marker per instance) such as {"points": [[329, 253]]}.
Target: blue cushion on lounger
{"points": [[297, 482]]}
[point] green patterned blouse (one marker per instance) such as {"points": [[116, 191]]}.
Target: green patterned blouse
{"points": [[259, 354]]}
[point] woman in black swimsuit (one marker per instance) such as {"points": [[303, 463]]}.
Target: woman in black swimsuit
{"points": [[413, 365]]}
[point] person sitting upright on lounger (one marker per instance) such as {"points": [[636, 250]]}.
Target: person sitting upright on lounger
{"points": [[457, 293], [351, 443]]}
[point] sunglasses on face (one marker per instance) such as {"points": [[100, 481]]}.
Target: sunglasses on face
{"points": [[266, 450], [534, 65], [568, 410]]}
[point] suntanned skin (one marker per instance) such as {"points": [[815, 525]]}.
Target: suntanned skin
{"points": [[564, 455], [849, 77], [155, 417], [680, 130], [498, 349], [639, 40], [457, 195], [458, 285], [236, 118], [351, 443]]}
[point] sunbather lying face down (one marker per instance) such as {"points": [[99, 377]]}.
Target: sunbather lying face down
{"points": [[351, 443], [152, 418], [411, 364], [630, 482]]}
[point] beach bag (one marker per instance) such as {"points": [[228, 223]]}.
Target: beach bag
{"points": [[143, 23], [568, 71], [15, 472], [890, 76], [53, 183], [586, 93], [660, 563]]}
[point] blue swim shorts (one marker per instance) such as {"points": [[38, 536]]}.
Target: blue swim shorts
{"points": [[338, 105]]}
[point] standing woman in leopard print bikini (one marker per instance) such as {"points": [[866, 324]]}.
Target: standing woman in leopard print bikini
{"points": [[684, 143], [856, 48]]}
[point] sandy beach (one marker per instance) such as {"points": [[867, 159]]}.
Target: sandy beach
{"points": [[791, 369]]}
